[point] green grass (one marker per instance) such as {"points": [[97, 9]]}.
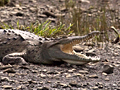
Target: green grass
{"points": [[46, 30], [42, 29]]}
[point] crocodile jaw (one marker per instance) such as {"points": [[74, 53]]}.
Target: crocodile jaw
{"points": [[62, 50], [83, 59]]}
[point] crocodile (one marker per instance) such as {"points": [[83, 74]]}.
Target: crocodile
{"points": [[20, 47]]}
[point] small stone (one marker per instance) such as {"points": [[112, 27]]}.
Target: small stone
{"points": [[51, 19], [60, 84], [100, 86], [5, 67], [44, 70], [78, 74], [41, 82], [83, 72], [21, 87], [60, 15], [42, 88], [68, 75], [116, 54], [114, 85], [7, 87], [49, 81], [9, 70], [118, 62], [93, 76], [18, 6], [95, 88], [104, 74], [52, 72], [71, 70], [63, 84], [117, 46], [12, 13], [84, 1], [63, 9], [108, 69], [5, 79], [43, 76], [12, 74], [107, 79], [33, 10], [116, 65], [31, 81], [73, 83], [34, 71]]}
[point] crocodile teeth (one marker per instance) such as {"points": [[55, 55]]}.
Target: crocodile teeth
{"points": [[94, 58], [80, 55], [83, 56]]}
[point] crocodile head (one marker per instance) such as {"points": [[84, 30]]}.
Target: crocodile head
{"points": [[61, 50]]}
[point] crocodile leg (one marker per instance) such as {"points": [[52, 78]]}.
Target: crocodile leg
{"points": [[14, 58]]}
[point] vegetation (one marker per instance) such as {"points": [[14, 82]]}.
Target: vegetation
{"points": [[98, 17], [46, 30], [43, 29]]}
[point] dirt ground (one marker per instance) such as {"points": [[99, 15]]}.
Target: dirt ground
{"points": [[103, 75]]}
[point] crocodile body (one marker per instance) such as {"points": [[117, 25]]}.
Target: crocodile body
{"points": [[18, 46]]}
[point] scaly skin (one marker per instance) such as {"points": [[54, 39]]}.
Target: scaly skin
{"points": [[19, 47]]}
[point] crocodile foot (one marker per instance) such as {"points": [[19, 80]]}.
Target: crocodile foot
{"points": [[12, 59]]}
